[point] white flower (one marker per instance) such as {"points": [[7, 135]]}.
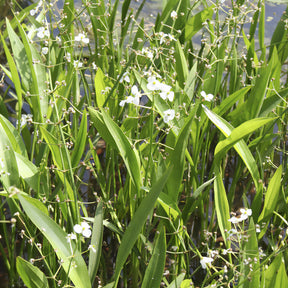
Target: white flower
{"points": [[92, 247], [70, 237], [173, 15], [68, 57], [82, 38], [147, 52], [45, 50], [77, 64], [169, 115], [206, 97], [125, 77], [83, 229], [94, 66], [166, 92], [169, 94], [33, 12], [245, 213], [132, 99], [206, 261], [235, 220], [42, 32], [231, 233], [153, 84]]}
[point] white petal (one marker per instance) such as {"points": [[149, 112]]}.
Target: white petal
{"points": [[86, 233], [77, 229]]}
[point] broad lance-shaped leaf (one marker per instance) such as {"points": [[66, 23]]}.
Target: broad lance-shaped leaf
{"points": [[154, 272], [9, 175], [241, 147], [133, 231], [38, 76], [271, 196], [247, 157], [96, 242], [73, 263], [31, 275], [239, 133], [14, 136], [113, 135]]}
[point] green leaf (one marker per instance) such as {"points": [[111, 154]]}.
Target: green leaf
{"points": [[9, 168], [195, 23], [73, 263], [28, 171], [57, 150], [250, 252], [13, 135], [177, 159], [133, 230], [242, 149], [228, 102], [239, 133], [271, 196], [177, 282], [181, 65], [31, 275], [14, 73], [96, 242], [221, 204], [154, 272], [80, 141], [275, 275], [19, 56], [113, 135], [38, 76]]}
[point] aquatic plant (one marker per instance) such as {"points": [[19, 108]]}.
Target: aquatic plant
{"points": [[143, 151]]}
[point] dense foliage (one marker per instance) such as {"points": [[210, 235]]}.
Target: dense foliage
{"points": [[142, 152]]}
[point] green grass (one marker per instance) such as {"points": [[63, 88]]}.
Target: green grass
{"points": [[108, 120]]}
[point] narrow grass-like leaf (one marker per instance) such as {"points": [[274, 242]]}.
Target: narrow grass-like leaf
{"points": [[192, 202], [96, 242], [113, 135], [221, 204], [155, 269], [31, 275], [14, 73], [72, 261], [80, 141], [132, 232], [177, 159]]}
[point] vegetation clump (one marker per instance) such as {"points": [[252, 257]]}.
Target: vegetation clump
{"points": [[143, 152]]}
